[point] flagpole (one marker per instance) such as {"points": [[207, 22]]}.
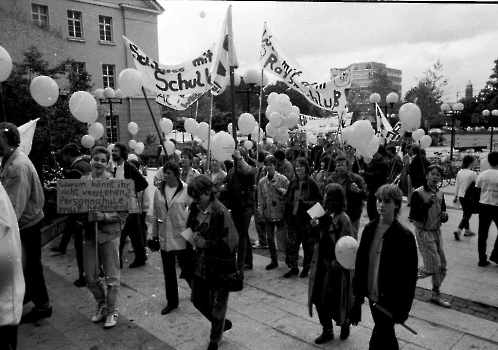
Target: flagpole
{"points": [[161, 140], [232, 99], [260, 105], [209, 137]]}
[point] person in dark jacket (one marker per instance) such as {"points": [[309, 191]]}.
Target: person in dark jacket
{"points": [[123, 169], [78, 166], [418, 168], [302, 194], [375, 175], [385, 270]]}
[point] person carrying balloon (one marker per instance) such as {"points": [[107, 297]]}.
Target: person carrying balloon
{"points": [[428, 212], [385, 270], [330, 288]]}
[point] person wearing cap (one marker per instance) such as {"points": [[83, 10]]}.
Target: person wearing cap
{"points": [[78, 166], [20, 180]]}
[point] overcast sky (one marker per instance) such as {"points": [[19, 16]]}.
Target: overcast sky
{"points": [[320, 36]]}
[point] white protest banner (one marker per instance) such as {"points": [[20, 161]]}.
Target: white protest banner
{"points": [[383, 126], [26, 132], [191, 77], [274, 60], [177, 102], [321, 125], [81, 196]]}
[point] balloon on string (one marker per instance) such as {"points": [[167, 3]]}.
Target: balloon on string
{"points": [[295, 109], [271, 130], [5, 64], [130, 81], [96, 130], [248, 145], [44, 91], [269, 110], [367, 160], [425, 141], [312, 139], [230, 128], [417, 134], [132, 156], [203, 131], [212, 133], [276, 119], [83, 106], [166, 125], [87, 141], [246, 123], [410, 116], [222, 146], [191, 126], [346, 249], [110, 147], [257, 133], [133, 128], [292, 120], [139, 148], [272, 98], [282, 136], [170, 147], [132, 144]]}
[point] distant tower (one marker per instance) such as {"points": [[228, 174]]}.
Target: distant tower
{"points": [[468, 90]]}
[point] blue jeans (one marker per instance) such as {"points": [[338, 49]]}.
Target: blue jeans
{"points": [[299, 232], [271, 226], [242, 220], [260, 225], [108, 257]]}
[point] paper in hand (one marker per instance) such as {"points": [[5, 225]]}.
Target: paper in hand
{"points": [[316, 211], [188, 235]]}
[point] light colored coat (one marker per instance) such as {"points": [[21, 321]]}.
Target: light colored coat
{"points": [[12, 286], [271, 202], [168, 220]]}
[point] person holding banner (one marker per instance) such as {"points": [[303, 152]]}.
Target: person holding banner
{"points": [[330, 288], [101, 247], [385, 270], [20, 180], [302, 194]]}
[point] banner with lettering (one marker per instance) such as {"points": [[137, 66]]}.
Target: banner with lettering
{"points": [[322, 125], [274, 60], [177, 102], [191, 77]]}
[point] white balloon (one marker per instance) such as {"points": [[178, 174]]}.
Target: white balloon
{"points": [[110, 147], [272, 98], [248, 145], [130, 81], [96, 130], [133, 128], [191, 126], [410, 116], [417, 134], [5, 64], [425, 141], [246, 123], [271, 130], [276, 119], [166, 125], [87, 141], [139, 148], [295, 109], [312, 139], [94, 119], [132, 144], [44, 90], [292, 119], [203, 131], [83, 106], [132, 156], [230, 128], [170, 147], [109, 92], [345, 251], [222, 146]]}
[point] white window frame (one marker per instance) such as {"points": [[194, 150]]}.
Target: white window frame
{"points": [[38, 21], [108, 79], [71, 24], [103, 27]]}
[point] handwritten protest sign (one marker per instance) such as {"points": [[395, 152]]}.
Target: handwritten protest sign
{"points": [[80, 196]]}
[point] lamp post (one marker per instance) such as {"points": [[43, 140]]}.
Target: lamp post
{"points": [[391, 99], [494, 113], [252, 78], [457, 108], [110, 97]]}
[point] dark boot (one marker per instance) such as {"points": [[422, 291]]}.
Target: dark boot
{"points": [[327, 335], [292, 272], [344, 331]]}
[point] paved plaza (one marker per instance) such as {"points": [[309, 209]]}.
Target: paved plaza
{"points": [[271, 312]]}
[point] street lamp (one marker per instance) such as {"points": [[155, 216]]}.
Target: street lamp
{"points": [[110, 97], [494, 113], [391, 99], [252, 78], [457, 108]]}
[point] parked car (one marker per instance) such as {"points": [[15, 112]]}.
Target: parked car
{"points": [[436, 131], [494, 128], [469, 128]]}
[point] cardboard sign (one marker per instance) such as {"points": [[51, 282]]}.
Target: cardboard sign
{"points": [[105, 195]]}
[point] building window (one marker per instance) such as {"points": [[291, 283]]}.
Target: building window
{"points": [[105, 28], [108, 75], [79, 67], [111, 122], [74, 24], [39, 14]]}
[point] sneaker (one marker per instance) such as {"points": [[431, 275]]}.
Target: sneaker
{"points": [[457, 235], [111, 320], [422, 273], [436, 299], [100, 314], [469, 233]]}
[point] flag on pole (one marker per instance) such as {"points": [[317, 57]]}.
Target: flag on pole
{"points": [[226, 58], [26, 132], [383, 125]]}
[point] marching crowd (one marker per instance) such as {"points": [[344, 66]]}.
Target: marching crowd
{"points": [[199, 217]]}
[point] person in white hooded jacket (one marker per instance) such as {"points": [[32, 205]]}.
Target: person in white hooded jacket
{"points": [[168, 219], [12, 280]]}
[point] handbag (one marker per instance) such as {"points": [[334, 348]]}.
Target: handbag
{"points": [[472, 196], [226, 276]]}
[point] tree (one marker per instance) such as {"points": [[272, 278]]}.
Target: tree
{"points": [[358, 102], [429, 92], [56, 126]]}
